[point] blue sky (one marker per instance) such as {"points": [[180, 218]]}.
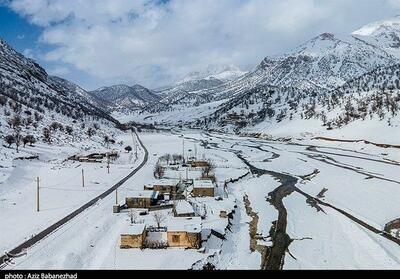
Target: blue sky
{"points": [[17, 31], [97, 43]]}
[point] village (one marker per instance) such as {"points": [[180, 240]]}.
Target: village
{"points": [[180, 208]]}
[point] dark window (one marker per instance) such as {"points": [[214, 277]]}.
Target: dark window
{"points": [[176, 238]]}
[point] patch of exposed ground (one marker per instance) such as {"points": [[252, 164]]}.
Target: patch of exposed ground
{"points": [[254, 236]]}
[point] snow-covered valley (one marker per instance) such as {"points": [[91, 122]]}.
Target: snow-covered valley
{"points": [[360, 180]]}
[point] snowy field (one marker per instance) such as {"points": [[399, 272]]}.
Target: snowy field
{"points": [[361, 180], [61, 189]]}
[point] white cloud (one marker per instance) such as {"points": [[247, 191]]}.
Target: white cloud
{"points": [[152, 42]]}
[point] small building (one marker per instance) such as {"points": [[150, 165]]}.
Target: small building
{"points": [[198, 163], [203, 188], [184, 232], [134, 237], [183, 208], [166, 186], [142, 199]]}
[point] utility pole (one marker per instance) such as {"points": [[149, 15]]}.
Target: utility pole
{"points": [[135, 144], [83, 178], [108, 164], [183, 150], [37, 194], [116, 196], [195, 151]]}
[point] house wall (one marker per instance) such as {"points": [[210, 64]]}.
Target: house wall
{"points": [[203, 192], [132, 241], [163, 189], [186, 240], [184, 214], [138, 202]]}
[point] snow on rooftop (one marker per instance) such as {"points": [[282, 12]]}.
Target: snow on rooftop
{"points": [[203, 183], [134, 229], [184, 224], [144, 194], [184, 207], [166, 182]]}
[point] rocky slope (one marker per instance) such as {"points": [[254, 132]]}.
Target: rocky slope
{"points": [[124, 97]]}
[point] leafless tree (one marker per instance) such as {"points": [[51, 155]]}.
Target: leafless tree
{"points": [[47, 135], [18, 139], [159, 217], [90, 132], [28, 139], [9, 139], [158, 171], [176, 158], [208, 169], [166, 158], [133, 216]]}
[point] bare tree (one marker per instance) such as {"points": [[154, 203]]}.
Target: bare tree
{"points": [[90, 132], [176, 158], [208, 169], [166, 158], [47, 135], [18, 139], [106, 140], [69, 130], [159, 217], [9, 139], [28, 139], [133, 216], [158, 171]]}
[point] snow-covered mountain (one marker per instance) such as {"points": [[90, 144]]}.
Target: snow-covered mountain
{"points": [[372, 96], [320, 64], [190, 89], [24, 82], [384, 34], [324, 61], [223, 73], [312, 82], [124, 97]]}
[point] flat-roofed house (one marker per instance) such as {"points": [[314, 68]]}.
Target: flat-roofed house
{"points": [[183, 208], [198, 163], [133, 237], [203, 188], [141, 199], [166, 186], [184, 232]]}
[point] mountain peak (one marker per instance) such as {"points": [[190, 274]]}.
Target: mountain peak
{"points": [[326, 36], [377, 26]]}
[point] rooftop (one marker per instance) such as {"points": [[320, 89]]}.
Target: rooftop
{"points": [[166, 182], [134, 229], [183, 207], [206, 183], [143, 194], [184, 224]]}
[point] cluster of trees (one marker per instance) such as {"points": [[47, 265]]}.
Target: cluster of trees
{"points": [[18, 139], [374, 94], [168, 158]]}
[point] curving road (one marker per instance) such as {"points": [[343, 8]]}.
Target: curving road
{"points": [[35, 239]]}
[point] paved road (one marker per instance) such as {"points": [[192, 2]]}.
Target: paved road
{"points": [[32, 241]]}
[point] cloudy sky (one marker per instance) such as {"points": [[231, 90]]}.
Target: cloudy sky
{"points": [[154, 42]]}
